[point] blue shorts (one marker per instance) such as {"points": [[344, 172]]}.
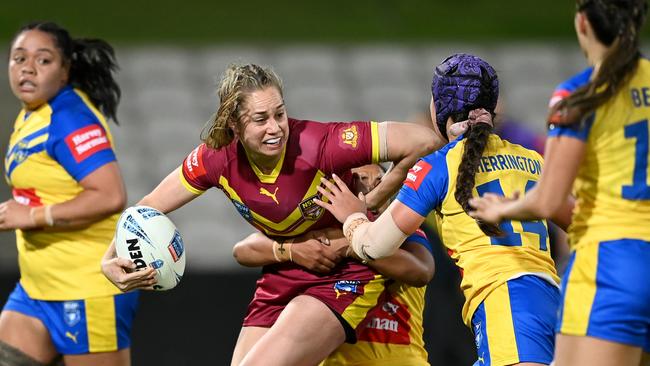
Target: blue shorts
{"points": [[515, 323], [99, 324], [606, 292]]}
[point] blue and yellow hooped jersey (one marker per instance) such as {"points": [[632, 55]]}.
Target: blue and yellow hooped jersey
{"points": [[612, 186], [487, 262], [50, 150]]}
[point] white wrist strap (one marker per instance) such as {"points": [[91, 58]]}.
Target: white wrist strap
{"points": [[373, 240]]}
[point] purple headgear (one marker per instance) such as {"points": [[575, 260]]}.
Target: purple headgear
{"points": [[461, 83]]}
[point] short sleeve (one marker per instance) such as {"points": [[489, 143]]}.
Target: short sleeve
{"points": [[425, 186], [421, 238], [79, 142], [194, 175], [579, 130], [349, 145]]}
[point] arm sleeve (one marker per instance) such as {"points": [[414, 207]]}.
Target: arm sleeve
{"points": [[578, 130], [194, 173], [426, 185], [80, 143], [349, 145]]}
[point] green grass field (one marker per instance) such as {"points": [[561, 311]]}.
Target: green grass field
{"points": [[206, 21]]}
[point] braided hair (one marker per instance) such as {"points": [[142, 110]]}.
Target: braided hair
{"points": [[460, 84]]}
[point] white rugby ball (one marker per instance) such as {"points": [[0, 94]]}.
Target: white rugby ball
{"points": [[149, 238]]}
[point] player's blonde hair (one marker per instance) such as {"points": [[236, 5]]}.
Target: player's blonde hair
{"points": [[237, 82]]}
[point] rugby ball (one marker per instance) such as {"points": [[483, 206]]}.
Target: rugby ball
{"points": [[149, 238]]}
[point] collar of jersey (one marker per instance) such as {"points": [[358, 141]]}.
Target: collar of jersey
{"points": [[271, 177]]}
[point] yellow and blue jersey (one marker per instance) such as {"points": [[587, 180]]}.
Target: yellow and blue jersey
{"points": [[612, 186], [606, 290], [50, 151], [486, 262], [392, 331]]}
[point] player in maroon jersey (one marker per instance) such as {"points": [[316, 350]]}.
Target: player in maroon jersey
{"points": [[269, 166]]}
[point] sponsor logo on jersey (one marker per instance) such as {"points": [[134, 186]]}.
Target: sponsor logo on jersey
{"points": [[343, 287], [134, 228], [387, 323], [243, 210], [72, 336], [310, 210], [21, 151], [383, 324], [86, 141], [266, 192], [194, 164], [26, 196], [148, 212], [135, 253], [71, 313], [176, 247], [416, 174], [390, 308], [349, 136]]}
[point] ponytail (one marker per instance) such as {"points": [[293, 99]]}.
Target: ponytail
{"points": [[616, 24], [92, 70], [476, 139], [92, 65]]}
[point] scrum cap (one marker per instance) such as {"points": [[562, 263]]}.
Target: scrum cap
{"points": [[463, 82]]}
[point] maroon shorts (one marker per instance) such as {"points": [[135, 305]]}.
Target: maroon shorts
{"points": [[350, 290]]}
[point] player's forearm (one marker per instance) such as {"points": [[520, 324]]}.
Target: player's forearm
{"points": [[87, 207], [405, 143], [256, 250], [403, 267]]}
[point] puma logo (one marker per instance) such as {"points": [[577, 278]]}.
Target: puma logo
{"points": [[72, 336], [265, 192]]}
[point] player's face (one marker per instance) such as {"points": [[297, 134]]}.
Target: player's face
{"points": [[36, 68], [264, 127], [366, 177]]}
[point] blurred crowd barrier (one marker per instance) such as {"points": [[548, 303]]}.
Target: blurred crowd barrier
{"points": [[169, 94]]}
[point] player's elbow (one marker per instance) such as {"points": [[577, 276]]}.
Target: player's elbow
{"points": [[115, 202], [238, 253], [422, 276]]}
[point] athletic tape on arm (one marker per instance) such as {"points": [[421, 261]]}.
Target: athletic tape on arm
{"points": [[373, 240]]}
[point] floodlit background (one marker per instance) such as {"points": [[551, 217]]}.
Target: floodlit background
{"points": [[340, 60]]}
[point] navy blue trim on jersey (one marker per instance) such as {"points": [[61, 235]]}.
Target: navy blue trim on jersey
{"points": [[420, 239], [433, 188], [579, 130], [70, 114], [576, 81]]}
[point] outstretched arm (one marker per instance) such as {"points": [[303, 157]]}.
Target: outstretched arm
{"points": [[550, 198], [369, 240], [403, 144]]}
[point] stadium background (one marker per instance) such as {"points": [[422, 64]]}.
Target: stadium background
{"points": [[339, 61]]}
